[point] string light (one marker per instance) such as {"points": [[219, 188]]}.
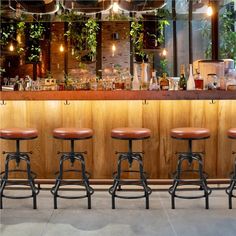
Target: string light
{"points": [[11, 48], [62, 49], [115, 7]]}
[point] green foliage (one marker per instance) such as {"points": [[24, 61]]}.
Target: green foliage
{"points": [[162, 15], [227, 36], [91, 38], [36, 31], [163, 67], [82, 32], [227, 47], [7, 33], [136, 33]]}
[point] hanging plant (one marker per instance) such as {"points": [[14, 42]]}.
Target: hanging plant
{"points": [[82, 33], [7, 33], [162, 15], [136, 33], [35, 32], [91, 37]]}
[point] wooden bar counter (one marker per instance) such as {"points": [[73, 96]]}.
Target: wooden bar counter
{"points": [[104, 110]]}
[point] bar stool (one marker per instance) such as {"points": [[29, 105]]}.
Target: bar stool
{"points": [[130, 134], [231, 188], [190, 134], [18, 134], [72, 134]]}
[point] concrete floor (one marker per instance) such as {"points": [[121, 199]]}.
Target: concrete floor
{"points": [[129, 219]]}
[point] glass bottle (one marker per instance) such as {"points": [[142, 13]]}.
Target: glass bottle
{"points": [[135, 82], [190, 82], [182, 80], [153, 85], [164, 82], [145, 76], [198, 81]]}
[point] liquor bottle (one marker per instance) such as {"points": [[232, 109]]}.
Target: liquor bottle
{"points": [[182, 80], [164, 82], [198, 81], [153, 85], [190, 82], [135, 82]]}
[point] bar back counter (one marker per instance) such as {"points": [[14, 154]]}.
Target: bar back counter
{"points": [[159, 111]]}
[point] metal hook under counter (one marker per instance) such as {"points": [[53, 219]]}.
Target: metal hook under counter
{"points": [[3, 103], [66, 103], [212, 102], [145, 102]]}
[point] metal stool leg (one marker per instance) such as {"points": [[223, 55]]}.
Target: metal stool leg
{"points": [[143, 179], [4, 181], [31, 182], [116, 182], [86, 181], [58, 182]]}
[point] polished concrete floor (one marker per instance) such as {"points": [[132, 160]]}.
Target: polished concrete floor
{"points": [[129, 219]]}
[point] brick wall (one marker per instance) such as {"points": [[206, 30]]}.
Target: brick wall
{"points": [[122, 53]]}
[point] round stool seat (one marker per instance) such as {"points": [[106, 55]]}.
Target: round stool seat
{"points": [[72, 133], [130, 133], [18, 133], [232, 133], [190, 133]]}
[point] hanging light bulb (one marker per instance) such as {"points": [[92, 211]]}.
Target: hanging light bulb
{"points": [[61, 48], [164, 52], [11, 48], [113, 48], [115, 7], [209, 10]]}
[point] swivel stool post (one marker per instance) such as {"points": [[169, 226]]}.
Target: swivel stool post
{"points": [[190, 134], [18, 134], [72, 134], [130, 134], [232, 186]]}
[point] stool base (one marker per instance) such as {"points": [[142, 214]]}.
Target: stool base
{"points": [[72, 157], [178, 181], [18, 157], [118, 182], [232, 187]]}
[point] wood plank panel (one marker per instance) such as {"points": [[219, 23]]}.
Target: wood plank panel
{"points": [[102, 116]]}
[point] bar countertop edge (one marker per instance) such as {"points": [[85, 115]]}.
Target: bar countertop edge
{"points": [[119, 95]]}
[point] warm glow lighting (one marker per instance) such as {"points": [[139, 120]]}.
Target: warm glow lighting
{"points": [[209, 11], [115, 7], [61, 48], [164, 52], [113, 48], [11, 47]]}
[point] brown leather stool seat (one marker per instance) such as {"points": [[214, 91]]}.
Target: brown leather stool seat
{"points": [[131, 133], [18, 133], [190, 133], [232, 133], [72, 133]]}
